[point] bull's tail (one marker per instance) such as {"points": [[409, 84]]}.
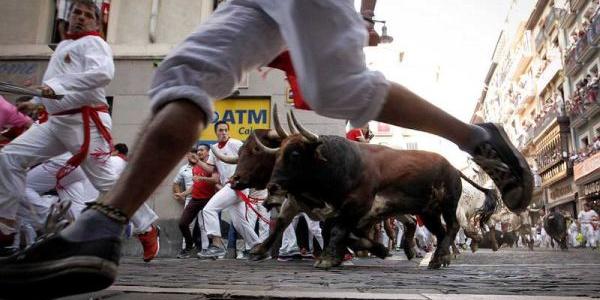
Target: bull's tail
{"points": [[489, 205]]}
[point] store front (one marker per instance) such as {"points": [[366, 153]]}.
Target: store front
{"points": [[587, 179], [562, 195]]}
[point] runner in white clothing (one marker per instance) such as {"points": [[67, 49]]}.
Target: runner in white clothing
{"points": [[225, 198], [585, 219], [79, 69]]}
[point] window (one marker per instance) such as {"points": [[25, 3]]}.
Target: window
{"points": [[583, 142]]}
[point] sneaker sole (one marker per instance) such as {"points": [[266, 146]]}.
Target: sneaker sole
{"points": [[87, 273], [526, 176]]}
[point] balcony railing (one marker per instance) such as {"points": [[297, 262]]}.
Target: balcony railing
{"points": [[550, 18], [548, 73], [571, 64], [594, 34], [540, 38], [544, 122], [576, 4], [583, 48]]}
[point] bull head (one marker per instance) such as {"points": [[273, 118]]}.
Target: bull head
{"points": [[311, 137], [224, 158]]}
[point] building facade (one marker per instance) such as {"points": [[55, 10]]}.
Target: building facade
{"points": [[541, 88]]}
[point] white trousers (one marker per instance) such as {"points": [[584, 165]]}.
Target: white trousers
{"points": [[227, 198], [289, 242], [42, 179], [41, 142], [325, 39], [588, 233], [263, 227]]}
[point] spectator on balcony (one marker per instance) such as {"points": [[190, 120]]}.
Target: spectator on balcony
{"points": [[559, 103], [596, 146], [591, 88], [573, 39]]}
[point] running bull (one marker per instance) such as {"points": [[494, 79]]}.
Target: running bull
{"points": [[254, 168], [365, 184]]}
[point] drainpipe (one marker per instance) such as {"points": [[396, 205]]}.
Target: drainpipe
{"points": [[153, 20]]}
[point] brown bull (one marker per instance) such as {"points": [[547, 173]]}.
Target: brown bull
{"points": [[367, 183], [255, 165]]}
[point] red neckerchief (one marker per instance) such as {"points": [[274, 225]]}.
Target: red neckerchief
{"points": [[284, 62], [122, 156], [76, 36], [222, 144]]}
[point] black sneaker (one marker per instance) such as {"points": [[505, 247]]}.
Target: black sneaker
{"points": [[212, 252], [506, 166], [185, 253], [55, 267]]}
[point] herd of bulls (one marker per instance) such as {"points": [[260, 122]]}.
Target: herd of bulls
{"points": [[351, 186]]}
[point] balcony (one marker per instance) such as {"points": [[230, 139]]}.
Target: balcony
{"points": [[521, 56], [571, 64], [586, 169], [551, 18], [540, 38], [576, 4], [583, 48], [554, 174], [548, 74], [549, 118], [594, 33]]}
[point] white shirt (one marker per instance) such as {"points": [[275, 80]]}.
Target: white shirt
{"points": [[185, 177], [79, 70], [585, 217], [225, 170], [117, 164]]}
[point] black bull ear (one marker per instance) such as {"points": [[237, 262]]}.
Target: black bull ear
{"points": [[319, 153]]}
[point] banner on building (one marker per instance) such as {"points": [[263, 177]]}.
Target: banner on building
{"points": [[243, 114]]}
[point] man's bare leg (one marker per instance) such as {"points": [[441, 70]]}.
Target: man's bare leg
{"points": [[166, 139], [487, 143], [88, 250], [406, 109]]}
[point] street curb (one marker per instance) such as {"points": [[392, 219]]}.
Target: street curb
{"points": [[321, 294]]}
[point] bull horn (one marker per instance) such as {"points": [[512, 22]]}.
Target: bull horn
{"points": [[224, 158], [534, 210], [262, 146], [311, 137], [293, 129], [280, 131]]}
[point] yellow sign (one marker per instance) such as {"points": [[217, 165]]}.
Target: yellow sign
{"points": [[243, 114]]}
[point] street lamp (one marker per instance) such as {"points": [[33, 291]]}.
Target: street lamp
{"points": [[385, 38]]}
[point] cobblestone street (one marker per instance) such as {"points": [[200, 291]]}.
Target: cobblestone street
{"points": [[511, 272]]}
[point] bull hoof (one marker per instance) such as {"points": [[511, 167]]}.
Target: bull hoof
{"points": [[258, 253], [474, 247], [409, 252], [434, 264], [446, 260], [379, 250]]}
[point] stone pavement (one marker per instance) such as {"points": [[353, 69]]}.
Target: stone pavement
{"points": [[512, 273]]}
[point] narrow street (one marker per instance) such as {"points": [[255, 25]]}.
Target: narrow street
{"points": [[511, 272]]}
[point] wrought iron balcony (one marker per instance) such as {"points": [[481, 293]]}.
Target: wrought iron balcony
{"points": [[571, 64], [594, 33], [584, 49]]}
